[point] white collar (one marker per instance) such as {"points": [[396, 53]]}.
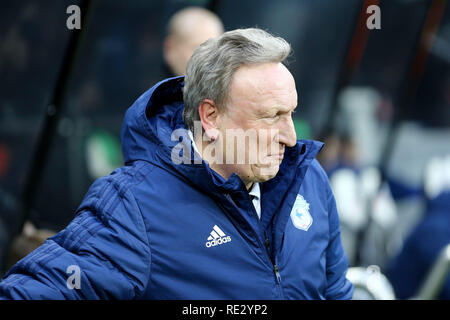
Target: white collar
{"points": [[255, 190]]}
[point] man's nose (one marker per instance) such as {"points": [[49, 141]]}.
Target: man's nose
{"points": [[287, 134]]}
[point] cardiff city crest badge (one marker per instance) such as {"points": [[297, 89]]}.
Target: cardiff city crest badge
{"points": [[300, 216]]}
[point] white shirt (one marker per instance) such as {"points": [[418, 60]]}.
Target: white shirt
{"points": [[255, 195], [255, 191]]}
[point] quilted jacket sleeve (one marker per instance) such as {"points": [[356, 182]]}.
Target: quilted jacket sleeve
{"points": [[102, 254]]}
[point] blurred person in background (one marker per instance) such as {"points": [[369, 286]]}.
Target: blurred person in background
{"points": [[30, 239], [186, 30], [410, 268]]}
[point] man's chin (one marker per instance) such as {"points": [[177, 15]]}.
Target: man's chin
{"points": [[265, 173]]}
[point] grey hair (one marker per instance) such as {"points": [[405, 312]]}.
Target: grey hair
{"points": [[211, 67]]}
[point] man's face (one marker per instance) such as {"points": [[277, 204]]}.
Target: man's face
{"points": [[260, 103]]}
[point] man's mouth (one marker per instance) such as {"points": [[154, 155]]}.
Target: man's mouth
{"points": [[278, 156]]}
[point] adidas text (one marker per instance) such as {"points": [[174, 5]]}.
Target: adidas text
{"points": [[216, 242]]}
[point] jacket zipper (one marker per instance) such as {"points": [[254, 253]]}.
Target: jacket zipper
{"points": [[275, 266], [267, 246], [277, 273]]}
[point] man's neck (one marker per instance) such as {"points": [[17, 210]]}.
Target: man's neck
{"points": [[220, 169]]}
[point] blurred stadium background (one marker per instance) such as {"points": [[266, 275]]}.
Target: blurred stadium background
{"points": [[379, 99]]}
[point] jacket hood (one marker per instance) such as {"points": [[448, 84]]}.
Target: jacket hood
{"points": [[148, 124], [147, 134]]}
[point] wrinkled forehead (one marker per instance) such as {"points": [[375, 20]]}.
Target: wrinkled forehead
{"points": [[266, 84]]}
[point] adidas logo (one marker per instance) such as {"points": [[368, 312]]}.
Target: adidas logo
{"points": [[217, 237]]}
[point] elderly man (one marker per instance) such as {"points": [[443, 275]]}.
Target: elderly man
{"points": [[184, 219]]}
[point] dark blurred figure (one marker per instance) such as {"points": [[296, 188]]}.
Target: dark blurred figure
{"points": [[339, 152], [27, 241], [422, 247], [186, 30]]}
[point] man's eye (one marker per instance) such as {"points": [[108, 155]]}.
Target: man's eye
{"points": [[271, 117]]}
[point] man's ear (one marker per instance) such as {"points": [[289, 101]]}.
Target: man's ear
{"points": [[209, 113]]}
